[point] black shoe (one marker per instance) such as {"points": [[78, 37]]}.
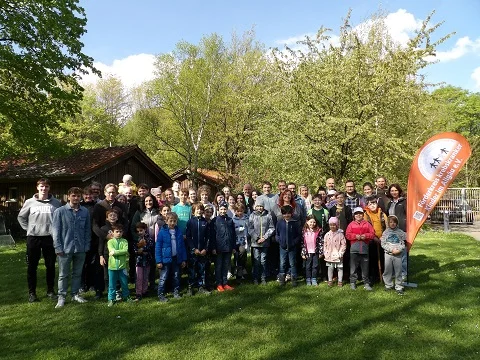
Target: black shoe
{"points": [[33, 298], [52, 295]]}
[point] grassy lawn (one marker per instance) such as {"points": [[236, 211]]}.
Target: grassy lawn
{"points": [[438, 320]]}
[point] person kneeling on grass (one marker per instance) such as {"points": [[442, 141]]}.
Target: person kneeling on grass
{"points": [[393, 242], [117, 269], [359, 233], [170, 255]]}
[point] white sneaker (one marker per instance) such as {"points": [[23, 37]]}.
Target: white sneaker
{"points": [[288, 277], [229, 275], [60, 302], [78, 299], [118, 296]]}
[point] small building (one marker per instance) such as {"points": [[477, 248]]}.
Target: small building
{"points": [[212, 178], [106, 165]]}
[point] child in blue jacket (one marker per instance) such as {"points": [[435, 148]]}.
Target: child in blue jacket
{"points": [[198, 239], [170, 256], [288, 233]]}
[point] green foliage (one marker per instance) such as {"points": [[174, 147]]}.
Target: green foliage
{"points": [[40, 61], [459, 110], [353, 109]]}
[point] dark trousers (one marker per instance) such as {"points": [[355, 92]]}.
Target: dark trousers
{"points": [[374, 250], [36, 247], [196, 271], [273, 255], [89, 270], [311, 266], [173, 270], [355, 261], [222, 264]]}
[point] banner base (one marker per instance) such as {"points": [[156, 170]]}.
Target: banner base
{"points": [[410, 284]]}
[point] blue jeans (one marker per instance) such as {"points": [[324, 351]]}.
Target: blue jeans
{"points": [[291, 255], [165, 272], [222, 264], [70, 264], [260, 262], [113, 277], [196, 271]]}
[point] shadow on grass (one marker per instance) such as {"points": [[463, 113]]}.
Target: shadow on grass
{"points": [[437, 320]]}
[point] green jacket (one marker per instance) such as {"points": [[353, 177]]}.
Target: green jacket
{"points": [[119, 259]]}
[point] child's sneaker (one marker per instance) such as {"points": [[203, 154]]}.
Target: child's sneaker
{"points": [[128, 300], [78, 299], [264, 282], [118, 296], [220, 288], [204, 291], [111, 303], [314, 282], [229, 275], [294, 282], [368, 287], [330, 284], [162, 298], [309, 282], [176, 295], [60, 302], [227, 287], [353, 286], [189, 291], [52, 295], [138, 298], [400, 292], [255, 282], [288, 277], [340, 284], [33, 298]]}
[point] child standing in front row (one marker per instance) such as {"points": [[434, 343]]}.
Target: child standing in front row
{"points": [[170, 255], [334, 247], [393, 242], [143, 248], [117, 250], [260, 228], [312, 249], [240, 220]]}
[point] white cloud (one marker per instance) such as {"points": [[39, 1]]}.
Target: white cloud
{"points": [[462, 47], [476, 77], [401, 25], [132, 70]]}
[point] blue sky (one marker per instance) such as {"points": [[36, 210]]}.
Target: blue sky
{"points": [[123, 35]]}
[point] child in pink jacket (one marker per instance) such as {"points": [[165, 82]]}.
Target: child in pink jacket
{"points": [[334, 247]]}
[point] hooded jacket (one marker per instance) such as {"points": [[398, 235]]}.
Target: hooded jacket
{"points": [[288, 233], [36, 215], [197, 234], [393, 238], [163, 246], [334, 246], [260, 224], [359, 228], [224, 230]]}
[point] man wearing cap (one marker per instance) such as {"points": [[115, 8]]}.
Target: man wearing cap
{"points": [[359, 233]]}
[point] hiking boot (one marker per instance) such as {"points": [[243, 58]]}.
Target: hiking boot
{"points": [[162, 298], [33, 298], [78, 299], [60, 302], [111, 303], [189, 291], [314, 282], [220, 288], [227, 287], [353, 286], [202, 290], [368, 287]]}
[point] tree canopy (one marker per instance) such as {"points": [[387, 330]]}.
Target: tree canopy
{"points": [[41, 60]]}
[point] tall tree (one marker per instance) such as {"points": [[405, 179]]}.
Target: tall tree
{"points": [[354, 108], [41, 60]]}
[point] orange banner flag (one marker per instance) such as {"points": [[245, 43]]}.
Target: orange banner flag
{"points": [[434, 168]]}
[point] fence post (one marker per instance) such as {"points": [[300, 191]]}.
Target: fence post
{"points": [[446, 222]]}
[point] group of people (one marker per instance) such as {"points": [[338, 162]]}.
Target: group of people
{"points": [[136, 232]]}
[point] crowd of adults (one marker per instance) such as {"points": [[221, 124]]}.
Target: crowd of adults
{"points": [[81, 223]]}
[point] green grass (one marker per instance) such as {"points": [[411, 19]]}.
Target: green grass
{"points": [[438, 320]]}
